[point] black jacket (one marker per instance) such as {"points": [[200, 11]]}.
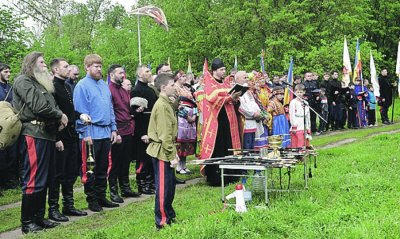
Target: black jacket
{"points": [[386, 90], [142, 119], [64, 99]]}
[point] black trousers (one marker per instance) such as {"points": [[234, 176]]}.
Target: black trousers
{"points": [[351, 118], [36, 155], [9, 169], [322, 124], [144, 165], [371, 117], [121, 155], [95, 184], [313, 120], [66, 171], [384, 113], [165, 192]]}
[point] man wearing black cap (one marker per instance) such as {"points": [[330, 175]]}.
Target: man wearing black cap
{"points": [[220, 126]]}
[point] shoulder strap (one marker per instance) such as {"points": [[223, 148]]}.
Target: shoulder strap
{"points": [[8, 93]]}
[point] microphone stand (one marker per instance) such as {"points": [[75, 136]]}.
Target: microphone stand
{"points": [[304, 104]]}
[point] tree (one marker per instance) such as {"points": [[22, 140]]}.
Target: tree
{"points": [[13, 39]]}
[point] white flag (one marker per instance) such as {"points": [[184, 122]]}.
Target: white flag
{"points": [[346, 63], [374, 78], [398, 68]]}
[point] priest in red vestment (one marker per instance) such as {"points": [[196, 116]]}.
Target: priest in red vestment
{"points": [[220, 126]]}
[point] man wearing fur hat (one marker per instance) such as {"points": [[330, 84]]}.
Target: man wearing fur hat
{"points": [[41, 118]]}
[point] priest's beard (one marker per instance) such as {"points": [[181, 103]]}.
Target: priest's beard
{"points": [[45, 79]]}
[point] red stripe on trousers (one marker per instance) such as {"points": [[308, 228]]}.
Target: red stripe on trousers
{"points": [[32, 156], [109, 163], [140, 168], [83, 155], [162, 191]]}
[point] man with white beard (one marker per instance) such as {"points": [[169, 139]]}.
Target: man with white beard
{"points": [[41, 118]]}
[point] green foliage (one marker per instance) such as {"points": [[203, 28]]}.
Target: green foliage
{"points": [[13, 45], [310, 31]]}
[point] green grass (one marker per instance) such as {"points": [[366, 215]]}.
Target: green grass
{"points": [[10, 218], [354, 193]]}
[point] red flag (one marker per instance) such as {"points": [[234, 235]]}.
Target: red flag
{"points": [[154, 12]]}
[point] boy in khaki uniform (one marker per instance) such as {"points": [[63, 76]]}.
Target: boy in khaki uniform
{"points": [[162, 132]]}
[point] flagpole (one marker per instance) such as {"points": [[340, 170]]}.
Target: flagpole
{"points": [[140, 49]]}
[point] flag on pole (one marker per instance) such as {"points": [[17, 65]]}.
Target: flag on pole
{"points": [[154, 12], [262, 61], [374, 77], [205, 66], [189, 69], [235, 65], [398, 68], [357, 64], [289, 94], [346, 63]]}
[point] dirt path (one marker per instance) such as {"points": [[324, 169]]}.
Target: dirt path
{"points": [[350, 140]]}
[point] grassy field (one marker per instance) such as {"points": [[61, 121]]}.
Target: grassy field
{"points": [[354, 193]]}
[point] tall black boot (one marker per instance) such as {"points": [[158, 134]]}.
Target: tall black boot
{"points": [[40, 206], [126, 190], [54, 196], [149, 184], [100, 188], [140, 183], [114, 191], [68, 201], [28, 214], [91, 198]]}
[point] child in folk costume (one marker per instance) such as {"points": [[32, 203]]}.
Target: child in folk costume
{"points": [[299, 112], [162, 131], [187, 113], [261, 95], [251, 111], [280, 125], [360, 93]]}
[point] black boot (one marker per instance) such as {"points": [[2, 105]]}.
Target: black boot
{"points": [[40, 211], [114, 191], [100, 188], [68, 201], [93, 204], [54, 213], [148, 187], [104, 202], [28, 224], [179, 181], [141, 183], [126, 190]]}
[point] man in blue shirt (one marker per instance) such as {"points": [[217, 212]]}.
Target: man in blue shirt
{"points": [[96, 124]]}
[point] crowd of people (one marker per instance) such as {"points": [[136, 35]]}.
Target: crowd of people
{"points": [[157, 123]]}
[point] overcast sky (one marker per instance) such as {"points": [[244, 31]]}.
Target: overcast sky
{"points": [[29, 22]]}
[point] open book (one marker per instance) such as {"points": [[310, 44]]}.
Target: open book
{"points": [[237, 88]]}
